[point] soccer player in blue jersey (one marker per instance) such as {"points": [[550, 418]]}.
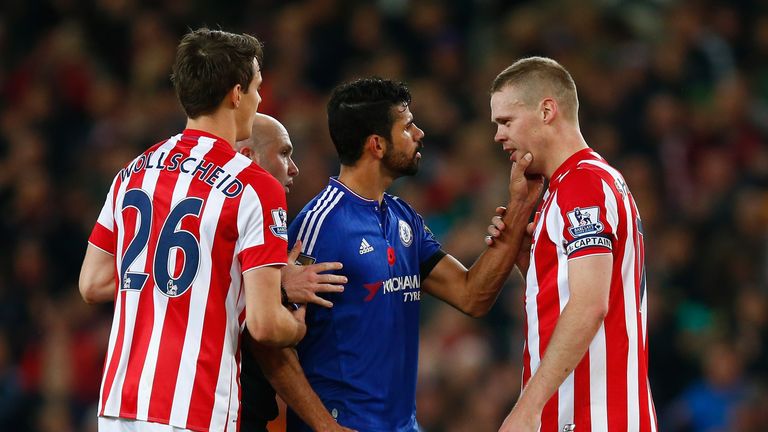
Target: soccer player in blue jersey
{"points": [[360, 357]]}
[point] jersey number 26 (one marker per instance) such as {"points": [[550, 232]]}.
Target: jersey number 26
{"points": [[170, 238]]}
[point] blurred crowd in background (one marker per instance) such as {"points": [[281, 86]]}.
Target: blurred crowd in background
{"points": [[673, 93]]}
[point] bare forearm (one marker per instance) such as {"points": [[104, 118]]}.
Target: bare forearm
{"points": [[277, 330], [98, 293], [487, 275], [572, 336], [97, 276], [283, 371]]}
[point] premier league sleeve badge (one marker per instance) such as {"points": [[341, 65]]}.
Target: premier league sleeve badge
{"points": [[279, 225]]}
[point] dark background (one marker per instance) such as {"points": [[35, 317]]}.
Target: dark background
{"points": [[673, 93]]}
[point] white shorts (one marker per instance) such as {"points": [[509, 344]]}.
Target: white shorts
{"points": [[114, 424]]}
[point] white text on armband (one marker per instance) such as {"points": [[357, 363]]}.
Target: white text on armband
{"points": [[206, 171], [585, 242]]}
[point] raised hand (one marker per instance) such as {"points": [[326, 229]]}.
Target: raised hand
{"points": [[524, 188]]}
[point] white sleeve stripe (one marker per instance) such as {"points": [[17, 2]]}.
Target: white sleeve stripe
{"points": [[105, 251], [250, 223], [320, 222], [315, 213], [306, 217], [611, 209], [605, 167], [281, 264]]}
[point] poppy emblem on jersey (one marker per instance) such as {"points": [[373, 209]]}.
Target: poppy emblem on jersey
{"points": [[280, 226], [584, 221], [406, 234]]}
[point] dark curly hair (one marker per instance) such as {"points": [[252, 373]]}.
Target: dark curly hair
{"points": [[362, 108]]}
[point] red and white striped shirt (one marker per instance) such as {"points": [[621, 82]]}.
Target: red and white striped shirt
{"points": [[184, 220], [588, 210]]}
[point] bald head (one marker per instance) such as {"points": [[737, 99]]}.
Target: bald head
{"points": [[270, 147]]}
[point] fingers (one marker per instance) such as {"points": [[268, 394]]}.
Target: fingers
{"points": [[327, 278], [494, 231], [293, 255], [519, 167], [530, 227], [497, 223], [501, 210], [488, 240], [324, 267], [320, 301], [328, 288]]}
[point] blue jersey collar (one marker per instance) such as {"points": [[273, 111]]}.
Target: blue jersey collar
{"points": [[334, 181]]}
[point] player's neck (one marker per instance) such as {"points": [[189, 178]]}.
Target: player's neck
{"points": [[568, 142], [222, 126], [366, 181]]}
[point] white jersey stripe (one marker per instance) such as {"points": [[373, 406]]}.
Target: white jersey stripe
{"points": [[531, 311], [313, 216], [651, 409], [556, 224], [304, 223], [226, 386], [598, 387], [147, 378], [320, 222]]}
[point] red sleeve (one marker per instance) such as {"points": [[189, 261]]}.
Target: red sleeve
{"points": [[102, 238], [588, 209], [262, 222], [103, 234]]}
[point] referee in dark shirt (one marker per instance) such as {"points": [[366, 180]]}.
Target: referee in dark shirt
{"points": [[271, 148]]}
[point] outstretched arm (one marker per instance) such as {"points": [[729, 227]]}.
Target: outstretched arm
{"points": [[474, 291], [282, 369], [497, 226]]}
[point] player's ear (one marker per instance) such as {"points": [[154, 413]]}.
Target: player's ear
{"points": [[246, 151], [234, 95], [376, 145], [548, 110]]}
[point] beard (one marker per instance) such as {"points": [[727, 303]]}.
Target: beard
{"points": [[400, 163]]}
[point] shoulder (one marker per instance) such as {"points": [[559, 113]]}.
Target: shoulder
{"points": [[260, 180], [322, 211], [590, 176]]}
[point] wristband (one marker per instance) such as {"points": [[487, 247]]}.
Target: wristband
{"points": [[284, 296]]}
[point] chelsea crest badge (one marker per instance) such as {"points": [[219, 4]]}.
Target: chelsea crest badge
{"points": [[406, 234]]}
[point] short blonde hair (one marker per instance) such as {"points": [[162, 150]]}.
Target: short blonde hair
{"points": [[540, 77]]}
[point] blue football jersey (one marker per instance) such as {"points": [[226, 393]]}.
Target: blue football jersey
{"points": [[361, 355]]}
